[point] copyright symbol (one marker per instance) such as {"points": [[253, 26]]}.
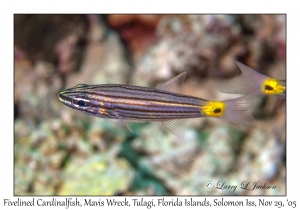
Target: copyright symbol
{"points": [[209, 185]]}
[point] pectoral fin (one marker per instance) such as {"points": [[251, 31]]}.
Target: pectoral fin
{"points": [[122, 121]]}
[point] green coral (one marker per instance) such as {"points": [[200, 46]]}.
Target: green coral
{"points": [[98, 175]]}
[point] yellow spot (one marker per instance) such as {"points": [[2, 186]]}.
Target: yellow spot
{"points": [[214, 108], [103, 111], [272, 86], [98, 167]]}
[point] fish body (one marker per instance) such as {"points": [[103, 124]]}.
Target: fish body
{"points": [[133, 103], [164, 103], [252, 82]]}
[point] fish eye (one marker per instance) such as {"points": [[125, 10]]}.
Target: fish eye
{"points": [[82, 102]]}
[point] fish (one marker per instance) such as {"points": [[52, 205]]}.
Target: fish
{"points": [[166, 104], [252, 82]]}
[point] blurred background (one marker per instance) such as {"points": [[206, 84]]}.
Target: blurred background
{"points": [[61, 151]]}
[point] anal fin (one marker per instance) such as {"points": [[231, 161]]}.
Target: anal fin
{"points": [[175, 127], [135, 121]]}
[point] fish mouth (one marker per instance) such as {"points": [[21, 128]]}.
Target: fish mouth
{"points": [[64, 99], [61, 97]]}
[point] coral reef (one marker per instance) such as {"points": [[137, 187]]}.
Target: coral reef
{"points": [[60, 151]]}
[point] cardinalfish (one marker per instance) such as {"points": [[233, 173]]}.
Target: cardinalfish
{"points": [[165, 104], [252, 82]]}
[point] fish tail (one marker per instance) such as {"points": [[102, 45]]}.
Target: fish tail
{"points": [[248, 82], [283, 89], [237, 110], [282, 95], [233, 110]]}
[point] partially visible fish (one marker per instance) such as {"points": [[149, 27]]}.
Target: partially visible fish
{"points": [[252, 82], [164, 103]]}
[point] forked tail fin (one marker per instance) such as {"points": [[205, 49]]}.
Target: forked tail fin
{"points": [[252, 82], [248, 82], [237, 110]]}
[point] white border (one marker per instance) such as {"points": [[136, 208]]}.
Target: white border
{"points": [[8, 8]]}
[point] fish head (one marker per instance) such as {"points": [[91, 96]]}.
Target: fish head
{"points": [[80, 98]]}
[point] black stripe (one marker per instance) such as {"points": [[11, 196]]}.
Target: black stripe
{"points": [[154, 98], [137, 88], [143, 98]]}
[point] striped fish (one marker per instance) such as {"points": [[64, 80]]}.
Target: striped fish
{"points": [[252, 82], [165, 104]]}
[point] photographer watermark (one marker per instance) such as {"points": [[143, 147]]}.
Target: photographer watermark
{"points": [[245, 185]]}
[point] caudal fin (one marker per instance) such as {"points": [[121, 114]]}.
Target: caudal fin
{"points": [[249, 82], [237, 110], [283, 95]]}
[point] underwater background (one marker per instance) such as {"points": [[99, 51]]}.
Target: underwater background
{"points": [[61, 151]]}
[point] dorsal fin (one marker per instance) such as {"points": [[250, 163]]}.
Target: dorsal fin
{"points": [[81, 85], [173, 85]]}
